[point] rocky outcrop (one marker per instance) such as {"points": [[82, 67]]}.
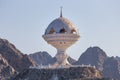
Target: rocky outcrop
{"points": [[45, 58], [42, 58], [71, 60], [6, 71], [14, 57], [118, 58], [111, 68], [93, 56], [72, 73], [12, 60]]}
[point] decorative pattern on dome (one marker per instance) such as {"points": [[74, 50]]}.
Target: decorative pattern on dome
{"points": [[61, 25]]}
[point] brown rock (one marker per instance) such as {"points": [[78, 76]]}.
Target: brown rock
{"points": [[112, 68], [6, 71], [45, 58], [42, 58], [73, 73], [14, 57], [93, 56]]}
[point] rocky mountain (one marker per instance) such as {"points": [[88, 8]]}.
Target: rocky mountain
{"points": [[45, 58], [6, 71], [93, 56], [111, 68], [118, 58], [13, 61], [71, 60], [42, 58], [14, 57]]}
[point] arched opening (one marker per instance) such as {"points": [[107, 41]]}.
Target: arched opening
{"points": [[52, 31], [73, 31], [62, 31]]}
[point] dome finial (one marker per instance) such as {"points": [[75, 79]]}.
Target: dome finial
{"points": [[61, 11]]}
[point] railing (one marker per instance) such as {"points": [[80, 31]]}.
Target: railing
{"points": [[62, 66]]}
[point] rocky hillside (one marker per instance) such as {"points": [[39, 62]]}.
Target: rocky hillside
{"points": [[112, 68], [72, 73], [109, 66], [118, 58], [94, 56], [42, 58], [45, 58], [71, 60], [6, 71], [13, 56], [12, 60]]}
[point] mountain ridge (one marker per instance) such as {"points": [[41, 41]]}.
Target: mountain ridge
{"points": [[17, 61], [45, 58], [12, 60], [95, 56]]}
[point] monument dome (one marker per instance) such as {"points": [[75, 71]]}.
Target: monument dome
{"points": [[61, 25]]}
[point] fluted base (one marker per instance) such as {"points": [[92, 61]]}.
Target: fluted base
{"points": [[61, 57], [61, 42]]}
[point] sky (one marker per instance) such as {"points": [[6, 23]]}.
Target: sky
{"points": [[23, 22]]}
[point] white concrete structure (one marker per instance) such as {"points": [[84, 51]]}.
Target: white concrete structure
{"points": [[61, 33]]}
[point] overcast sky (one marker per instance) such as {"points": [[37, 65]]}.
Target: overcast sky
{"points": [[23, 22]]}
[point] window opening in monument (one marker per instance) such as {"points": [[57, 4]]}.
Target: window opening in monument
{"points": [[63, 31], [52, 31], [73, 31]]}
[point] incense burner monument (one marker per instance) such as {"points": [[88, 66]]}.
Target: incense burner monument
{"points": [[61, 33]]}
